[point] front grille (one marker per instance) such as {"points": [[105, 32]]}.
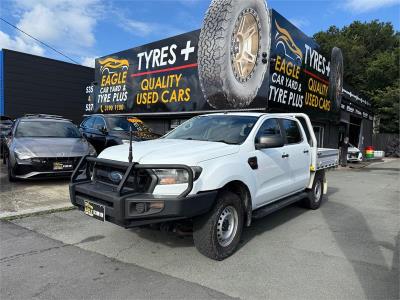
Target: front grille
{"points": [[46, 164], [139, 180]]}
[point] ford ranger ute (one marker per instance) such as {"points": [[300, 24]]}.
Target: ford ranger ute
{"points": [[216, 171]]}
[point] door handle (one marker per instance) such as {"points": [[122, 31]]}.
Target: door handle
{"points": [[285, 155], [306, 151]]}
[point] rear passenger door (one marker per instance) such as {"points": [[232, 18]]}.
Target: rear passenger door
{"points": [[299, 153]]}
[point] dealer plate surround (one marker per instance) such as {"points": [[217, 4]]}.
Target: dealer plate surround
{"points": [[94, 210]]}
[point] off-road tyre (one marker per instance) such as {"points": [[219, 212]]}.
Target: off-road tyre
{"points": [[11, 177], [220, 87], [316, 193], [205, 228], [336, 78]]}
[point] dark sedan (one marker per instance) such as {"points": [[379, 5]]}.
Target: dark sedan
{"points": [[44, 146], [103, 131]]}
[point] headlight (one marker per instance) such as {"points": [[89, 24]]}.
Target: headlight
{"points": [[23, 155], [175, 176]]}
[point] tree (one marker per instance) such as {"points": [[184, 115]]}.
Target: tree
{"points": [[371, 58]]}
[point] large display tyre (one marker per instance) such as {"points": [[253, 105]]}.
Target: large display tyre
{"points": [[336, 78], [233, 52], [217, 233]]}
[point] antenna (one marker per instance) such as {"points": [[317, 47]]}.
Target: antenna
{"points": [[130, 145]]}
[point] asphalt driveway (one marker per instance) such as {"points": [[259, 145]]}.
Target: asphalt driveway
{"points": [[348, 249]]}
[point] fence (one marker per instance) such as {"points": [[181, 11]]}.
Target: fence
{"points": [[388, 142]]}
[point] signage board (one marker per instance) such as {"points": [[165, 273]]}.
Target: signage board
{"points": [[163, 77]]}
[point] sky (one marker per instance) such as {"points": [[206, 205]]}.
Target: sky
{"points": [[86, 29]]}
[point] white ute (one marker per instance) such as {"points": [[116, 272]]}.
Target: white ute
{"points": [[217, 171]]}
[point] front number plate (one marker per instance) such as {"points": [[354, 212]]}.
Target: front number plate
{"points": [[94, 210], [57, 166]]}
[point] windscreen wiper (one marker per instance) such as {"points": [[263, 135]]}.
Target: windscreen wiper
{"points": [[226, 142]]}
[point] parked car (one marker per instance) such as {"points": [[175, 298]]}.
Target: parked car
{"points": [[354, 154], [44, 146], [103, 131], [219, 171], [5, 129]]}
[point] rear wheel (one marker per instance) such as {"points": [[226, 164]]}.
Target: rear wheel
{"points": [[315, 194], [217, 233]]}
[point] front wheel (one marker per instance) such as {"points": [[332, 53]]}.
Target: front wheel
{"points": [[11, 177], [217, 233]]}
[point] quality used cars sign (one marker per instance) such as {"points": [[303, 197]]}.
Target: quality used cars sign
{"points": [[184, 73]]}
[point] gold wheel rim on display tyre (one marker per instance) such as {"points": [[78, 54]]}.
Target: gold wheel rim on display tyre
{"points": [[245, 45]]}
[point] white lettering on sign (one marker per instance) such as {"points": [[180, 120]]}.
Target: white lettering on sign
{"points": [[186, 52], [317, 61], [162, 57]]}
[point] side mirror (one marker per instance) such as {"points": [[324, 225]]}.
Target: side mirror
{"points": [[270, 141]]}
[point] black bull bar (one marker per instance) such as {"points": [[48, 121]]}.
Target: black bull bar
{"points": [[119, 200]]}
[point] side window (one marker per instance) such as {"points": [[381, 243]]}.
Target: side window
{"points": [[99, 123], [88, 123], [293, 134], [269, 127]]}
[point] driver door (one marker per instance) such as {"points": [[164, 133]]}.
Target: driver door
{"points": [[273, 173]]}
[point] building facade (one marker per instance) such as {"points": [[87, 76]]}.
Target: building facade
{"points": [[31, 84]]}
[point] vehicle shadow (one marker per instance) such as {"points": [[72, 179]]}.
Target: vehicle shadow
{"points": [[5, 185], [47, 181], [270, 222], [172, 239], [278, 218], [356, 240]]}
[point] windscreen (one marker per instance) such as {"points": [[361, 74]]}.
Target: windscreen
{"points": [[229, 129], [119, 124], [47, 129]]}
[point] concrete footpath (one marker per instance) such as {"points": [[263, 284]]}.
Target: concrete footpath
{"points": [[27, 197], [348, 249]]}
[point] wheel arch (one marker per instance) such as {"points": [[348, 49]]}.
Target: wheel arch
{"points": [[241, 189]]}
